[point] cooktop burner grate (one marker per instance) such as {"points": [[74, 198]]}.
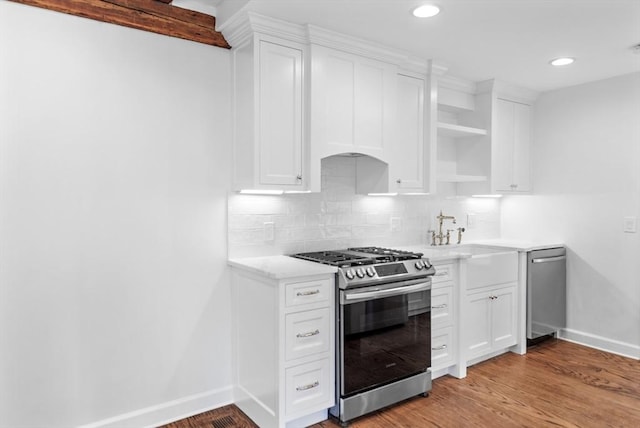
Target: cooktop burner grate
{"points": [[335, 258], [387, 254], [358, 256]]}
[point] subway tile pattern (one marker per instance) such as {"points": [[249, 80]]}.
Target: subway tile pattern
{"points": [[338, 218]]}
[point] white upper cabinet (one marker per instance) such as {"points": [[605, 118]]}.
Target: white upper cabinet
{"points": [[484, 144], [408, 166], [511, 143], [269, 115], [280, 111], [269, 106], [353, 101]]}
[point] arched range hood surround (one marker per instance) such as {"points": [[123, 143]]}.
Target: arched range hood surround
{"points": [[371, 174]]}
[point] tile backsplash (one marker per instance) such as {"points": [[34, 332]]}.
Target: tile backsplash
{"points": [[263, 225]]}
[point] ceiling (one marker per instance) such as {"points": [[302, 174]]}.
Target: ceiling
{"points": [[511, 40]]}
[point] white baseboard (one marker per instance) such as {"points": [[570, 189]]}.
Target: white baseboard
{"points": [[171, 411], [601, 343]]}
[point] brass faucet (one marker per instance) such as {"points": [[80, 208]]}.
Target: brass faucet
{"points": [[441, 236]]}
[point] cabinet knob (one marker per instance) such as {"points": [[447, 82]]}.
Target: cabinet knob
{"points": [[299, 177], [399, 181]]}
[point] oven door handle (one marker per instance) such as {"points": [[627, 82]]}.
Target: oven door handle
{"points": [[420, 285]]}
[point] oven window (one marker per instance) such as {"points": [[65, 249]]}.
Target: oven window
{"points": [[383, 341]]}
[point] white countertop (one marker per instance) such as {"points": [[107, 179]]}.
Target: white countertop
{"points": [[519, 245], [439, 253], [281, 267]]}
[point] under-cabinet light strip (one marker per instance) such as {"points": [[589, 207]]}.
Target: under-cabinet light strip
{"points": [[261, 192]]}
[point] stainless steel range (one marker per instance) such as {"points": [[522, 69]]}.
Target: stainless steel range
{"points": [[383, 327]]}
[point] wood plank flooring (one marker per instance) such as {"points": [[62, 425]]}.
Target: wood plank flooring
{"points": [[556, 383]]}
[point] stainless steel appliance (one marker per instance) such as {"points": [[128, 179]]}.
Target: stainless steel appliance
{"points": [[383, 327], [546, 292]]}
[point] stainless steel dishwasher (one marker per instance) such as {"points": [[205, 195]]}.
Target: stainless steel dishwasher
{"points": [[546, 292]]}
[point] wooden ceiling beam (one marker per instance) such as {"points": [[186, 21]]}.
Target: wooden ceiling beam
{"points": [[148, 15]]}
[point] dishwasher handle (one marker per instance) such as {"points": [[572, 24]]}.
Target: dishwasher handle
{"points": [[548, 259]]}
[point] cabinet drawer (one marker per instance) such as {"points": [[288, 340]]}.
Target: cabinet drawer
{"points": [[302, 293], [442, 306], [307, 333], [308, 387], [442, 348], [443, 273]]}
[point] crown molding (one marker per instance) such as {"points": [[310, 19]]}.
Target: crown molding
{"points": [[507, 90], [244, 24], [354, 45], [436, 68], [457, 84]]}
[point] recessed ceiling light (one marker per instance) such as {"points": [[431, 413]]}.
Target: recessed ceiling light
{"points": [[559, 62], [426, 11]]}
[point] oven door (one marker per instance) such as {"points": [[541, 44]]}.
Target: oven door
{"points": [[384, 334]]}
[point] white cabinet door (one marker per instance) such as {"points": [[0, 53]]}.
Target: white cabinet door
{"points": [[477, 324], [407, 168], [280, 112], [353, 103], [502, 171], [490, 321], [503, 318], [511, 147], [522, 147]]}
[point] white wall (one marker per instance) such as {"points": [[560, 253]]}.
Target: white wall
{"points": [[586, 158], [114, 154]]}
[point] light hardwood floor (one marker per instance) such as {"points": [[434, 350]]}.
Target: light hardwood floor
{"points": [[556, 383]]}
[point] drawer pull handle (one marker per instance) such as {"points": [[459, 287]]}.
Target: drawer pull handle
{"points": [[306, 387], [442, 306], [308, 334], [439, 348], [307, 293]]}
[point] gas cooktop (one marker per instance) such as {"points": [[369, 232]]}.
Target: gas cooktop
{"points": [[367, 266], [358, 256]]}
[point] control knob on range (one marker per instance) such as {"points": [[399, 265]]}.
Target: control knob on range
{"points": [[360, 273], [349, 274], [370, 271], [419, 264]]}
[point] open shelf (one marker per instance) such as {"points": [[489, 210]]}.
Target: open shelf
{"points": [[458, 131], [457, 178]]}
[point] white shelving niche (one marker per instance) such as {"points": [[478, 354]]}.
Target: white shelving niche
{"points": [[462, 137]]}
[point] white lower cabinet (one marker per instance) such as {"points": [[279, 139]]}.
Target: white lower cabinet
{"points": [[443, 352], [444, 321], [492, 323], [307, 387], [284, 344], [307, 333]]}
